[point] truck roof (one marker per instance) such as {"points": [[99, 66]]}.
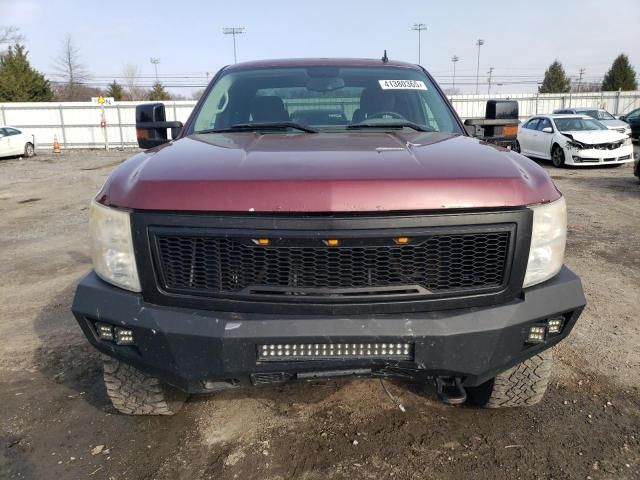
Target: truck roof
{"points": [[321, 62]]}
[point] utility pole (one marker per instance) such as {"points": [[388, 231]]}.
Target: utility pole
{"points": [[490, 72], [419, 27], [234, 31], [582, 70], [455, 59], [479, 43], [155, 61]]}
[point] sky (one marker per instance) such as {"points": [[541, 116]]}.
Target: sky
{"points": [[521, 37]]}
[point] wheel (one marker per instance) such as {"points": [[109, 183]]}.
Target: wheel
{"points": [[521, 386], [516, 146], [557, 156], [29, 151], [136, 393]]}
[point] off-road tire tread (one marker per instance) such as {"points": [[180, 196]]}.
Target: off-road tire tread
{"points": [[524, 384], [136, 393]]}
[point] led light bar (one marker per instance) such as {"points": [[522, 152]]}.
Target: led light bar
{"points": [[330, 351]]}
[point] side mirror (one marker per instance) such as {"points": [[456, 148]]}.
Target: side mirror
{"points": [[151, 125], [547, 130], [623, 118]]}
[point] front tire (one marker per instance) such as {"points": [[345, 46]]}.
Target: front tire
{"points": [[136, 393], [521, 386], [29, 151], [557, 156], [516, 147]]}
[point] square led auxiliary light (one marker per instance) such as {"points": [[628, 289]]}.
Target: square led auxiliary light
{"points": [[554, 325], [331, 351], [536, 334]]}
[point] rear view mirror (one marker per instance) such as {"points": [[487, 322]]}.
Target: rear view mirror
{"points": [[151, 125]]}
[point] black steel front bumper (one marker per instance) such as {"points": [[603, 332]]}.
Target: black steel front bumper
{"points": [[200, 350]]}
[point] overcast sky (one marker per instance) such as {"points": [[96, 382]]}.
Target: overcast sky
{"points": [[521, 38]]}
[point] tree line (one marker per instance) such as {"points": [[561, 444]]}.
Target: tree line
{"points": [[20, 82], [621, 76]]}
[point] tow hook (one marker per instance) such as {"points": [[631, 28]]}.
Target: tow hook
{"points": [[450, 390]]}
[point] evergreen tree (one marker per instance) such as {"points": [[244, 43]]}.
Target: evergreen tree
{"points": [[621, 76], [555, 80], [115, 90], [19, 82], [158, 93]]}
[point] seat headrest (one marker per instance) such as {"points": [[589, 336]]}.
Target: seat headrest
{"points": [[268, 109]]}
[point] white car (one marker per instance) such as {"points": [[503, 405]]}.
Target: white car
{"points": [[14, 141], [573, 140], [604, 117]]}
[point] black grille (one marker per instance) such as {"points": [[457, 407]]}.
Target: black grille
{"points": [[433, 264]]}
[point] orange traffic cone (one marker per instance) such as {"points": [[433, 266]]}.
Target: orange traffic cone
{"points": [[56, 144]]}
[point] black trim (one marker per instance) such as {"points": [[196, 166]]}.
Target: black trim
{"points": [[341, 226]]}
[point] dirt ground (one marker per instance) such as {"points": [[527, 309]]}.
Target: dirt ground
{"points": [[54, 410]]}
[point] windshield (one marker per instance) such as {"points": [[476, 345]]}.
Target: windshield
{"points": [[578, 124], [325, 98], [599, 114]]}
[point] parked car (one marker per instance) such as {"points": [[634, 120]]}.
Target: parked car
{"points": [[15, 141], [633, 119], [604, 117], [573, 140], [254, 249]]}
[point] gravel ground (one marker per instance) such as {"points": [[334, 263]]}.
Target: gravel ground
{"points": [[56, 421]]}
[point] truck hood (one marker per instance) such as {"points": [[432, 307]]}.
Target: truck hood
{"points": [[326, 172], [595, 137]]}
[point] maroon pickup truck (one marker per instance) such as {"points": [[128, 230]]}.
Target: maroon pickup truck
{"points": [[325, 218]]}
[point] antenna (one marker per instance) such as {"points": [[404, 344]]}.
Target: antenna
{"points": [[385, 59]]}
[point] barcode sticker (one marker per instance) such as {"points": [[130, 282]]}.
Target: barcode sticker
{"points": [[402, 85]]}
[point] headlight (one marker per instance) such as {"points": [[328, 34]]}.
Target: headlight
{"points": [[112, 246], [548, 240], [628, 141]]}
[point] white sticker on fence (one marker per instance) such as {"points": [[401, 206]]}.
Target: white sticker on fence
{"points": [[402, 85]]}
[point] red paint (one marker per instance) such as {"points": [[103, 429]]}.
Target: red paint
{"points": [[326, 172]]}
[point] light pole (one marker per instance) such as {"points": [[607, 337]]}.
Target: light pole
{"points": [[155, 62], [234, 31], [490, 73], [479, 43], [419, 27], [455, 59]]}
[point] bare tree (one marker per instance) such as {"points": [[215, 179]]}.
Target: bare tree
{"points": [[131, 81], [9, 35], [72, 72]]}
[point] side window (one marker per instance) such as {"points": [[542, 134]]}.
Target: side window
{"points": [[634, 115], [531, 124], [2, 132], [544, 123], [11, 131], [562, 111]]}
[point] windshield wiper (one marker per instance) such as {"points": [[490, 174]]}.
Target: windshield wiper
{"points": [[415, 126], [250, 127]]}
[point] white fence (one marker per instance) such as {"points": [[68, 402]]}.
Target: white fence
{"points": [[77, 124]]}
